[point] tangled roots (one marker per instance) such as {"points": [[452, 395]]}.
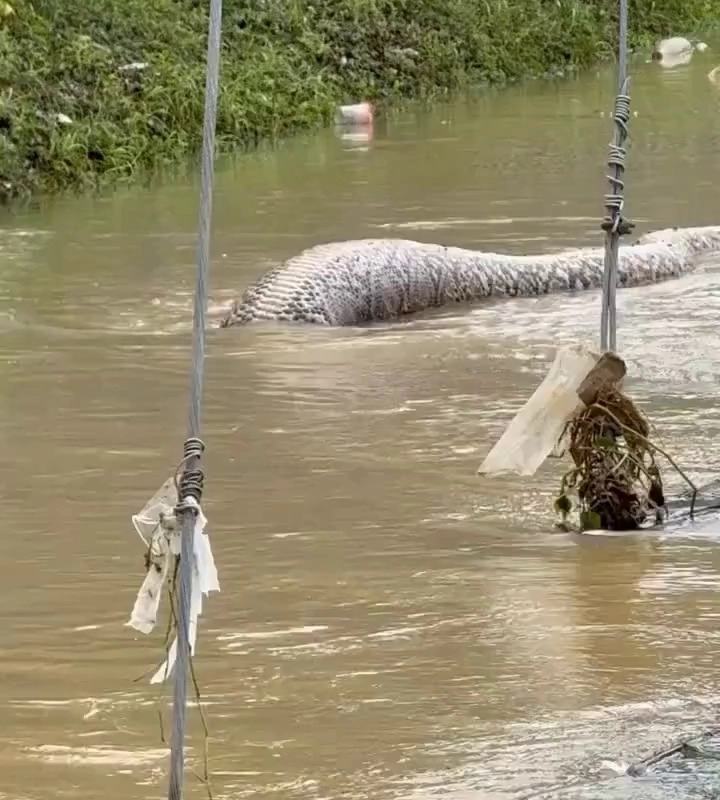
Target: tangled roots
{"points": [[615, 483]]}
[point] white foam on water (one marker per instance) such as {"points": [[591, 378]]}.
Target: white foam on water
{"points": [[95, 756]]}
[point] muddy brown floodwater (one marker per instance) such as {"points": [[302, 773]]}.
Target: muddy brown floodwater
{"points": [[390, 625]]}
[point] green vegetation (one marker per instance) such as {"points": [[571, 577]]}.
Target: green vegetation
{"points": [[74, 115]]}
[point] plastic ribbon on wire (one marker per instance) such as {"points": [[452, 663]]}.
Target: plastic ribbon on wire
{"points": [[161, 531]]}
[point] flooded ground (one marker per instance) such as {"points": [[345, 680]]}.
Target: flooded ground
{"points": [[390, 625]]}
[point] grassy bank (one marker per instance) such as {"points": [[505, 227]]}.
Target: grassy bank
{"points": [[96, 91]]}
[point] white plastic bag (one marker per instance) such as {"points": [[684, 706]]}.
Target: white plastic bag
{"points": [[535, 430]]}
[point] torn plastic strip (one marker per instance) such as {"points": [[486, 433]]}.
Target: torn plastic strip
{"points": [[158, 527]]}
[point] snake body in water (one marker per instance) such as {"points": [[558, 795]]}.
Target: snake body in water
{"points": [[369, 280]]}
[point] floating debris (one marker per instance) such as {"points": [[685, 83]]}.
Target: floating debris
{"points": [[355, 124], [676, 51], [615, 483], [355, 114], [687, 748], [671, 48]]}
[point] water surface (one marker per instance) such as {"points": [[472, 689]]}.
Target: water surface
{"points": [[390, 625]]}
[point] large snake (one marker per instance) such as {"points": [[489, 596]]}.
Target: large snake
{"points": [[354, 282]]}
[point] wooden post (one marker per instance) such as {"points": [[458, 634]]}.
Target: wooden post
{"points": [[608, 373]]}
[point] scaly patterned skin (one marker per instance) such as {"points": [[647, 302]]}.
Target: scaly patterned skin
{"points": [[354, 282]]}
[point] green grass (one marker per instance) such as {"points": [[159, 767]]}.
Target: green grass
{"points": [[285, 66]]}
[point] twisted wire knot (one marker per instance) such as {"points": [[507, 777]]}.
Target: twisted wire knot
{"points": [[613, 222], [193, 478]]}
